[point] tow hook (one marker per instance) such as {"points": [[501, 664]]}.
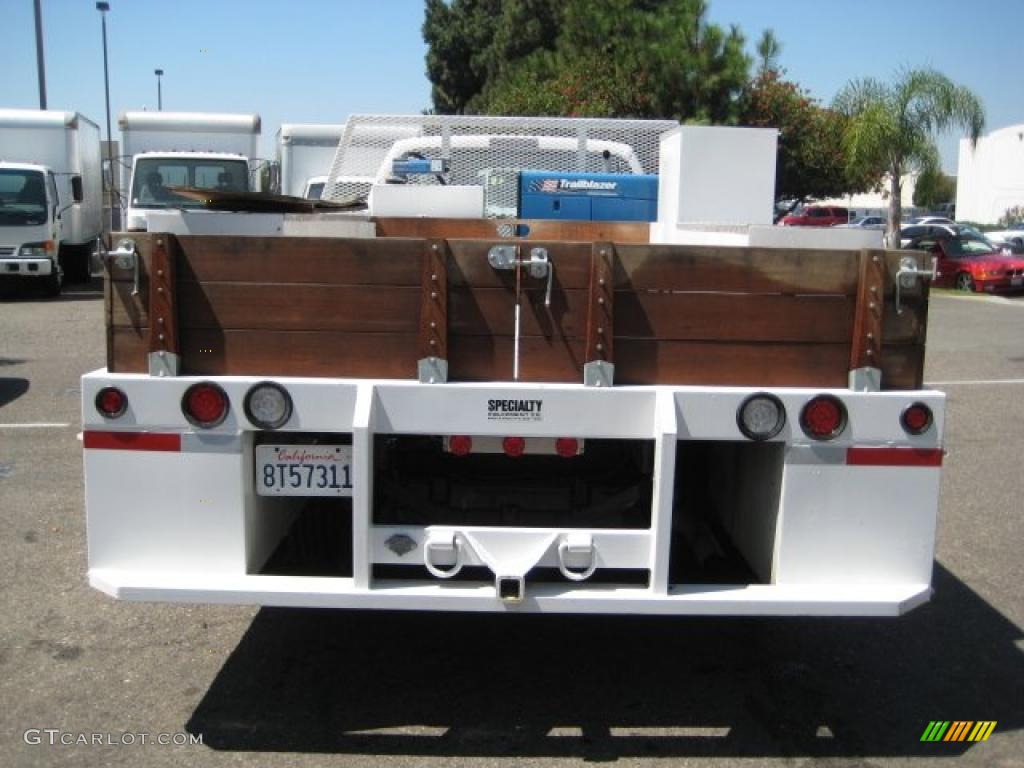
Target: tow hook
{"points": [[442, 555], [576, 557]]}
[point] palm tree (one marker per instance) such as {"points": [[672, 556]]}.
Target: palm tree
{"points": [[892, 126]]}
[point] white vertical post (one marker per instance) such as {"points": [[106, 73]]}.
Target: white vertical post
{"points": [[666, 432], [362, 490]]}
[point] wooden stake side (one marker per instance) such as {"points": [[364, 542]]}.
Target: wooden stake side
{"points": [[866, 347], [433, 332], [600, 311], [163, 300]]}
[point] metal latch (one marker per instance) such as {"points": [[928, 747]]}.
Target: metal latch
{"points": [[506, 257], [125, 256], [909, 273]]}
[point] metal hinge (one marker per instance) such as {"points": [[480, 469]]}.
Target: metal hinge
{"points": [[908, 274]]}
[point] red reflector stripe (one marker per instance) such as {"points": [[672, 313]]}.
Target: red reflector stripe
{"points": [[894, 457], [131, 441]]}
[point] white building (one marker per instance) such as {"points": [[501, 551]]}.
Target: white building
{"points": [[991, 175]]}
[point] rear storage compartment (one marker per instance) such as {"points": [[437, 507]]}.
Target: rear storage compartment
{"points": [[725, 512]]}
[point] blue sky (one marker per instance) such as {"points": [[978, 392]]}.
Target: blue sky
{"points": [[321, 60]]}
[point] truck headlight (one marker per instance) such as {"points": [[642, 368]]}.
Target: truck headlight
{"points": [[46, 248]]}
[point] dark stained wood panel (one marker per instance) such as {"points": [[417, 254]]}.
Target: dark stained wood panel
{"points": [[737, 270], [433, 324], [504, 229], [480, 358], [736, 364], [468, 265]]}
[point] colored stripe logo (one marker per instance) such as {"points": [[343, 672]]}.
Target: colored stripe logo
{"points": [[958, 730]]}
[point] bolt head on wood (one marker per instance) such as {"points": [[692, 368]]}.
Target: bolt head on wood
{"points": [[433, 294], [600, 299]]}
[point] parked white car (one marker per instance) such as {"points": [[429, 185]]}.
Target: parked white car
{"points": [[1012, 235]]}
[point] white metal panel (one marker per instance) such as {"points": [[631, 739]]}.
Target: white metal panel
{"points": [[411, 200], [716, 174], [305, 150], [856, 525], [166, 511], [823, 238], [465, 409]]}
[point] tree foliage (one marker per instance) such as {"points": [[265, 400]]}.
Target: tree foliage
{"points": [[891, 126], [811, 162], [643, 58], [934, 187]]}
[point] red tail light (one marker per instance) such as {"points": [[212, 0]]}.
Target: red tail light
{"points": [[567, 447], [460, 445], [111, 402], [514, 446], [205, 404], [823, 418], [916, 418]]}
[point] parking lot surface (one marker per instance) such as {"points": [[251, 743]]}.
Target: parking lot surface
{"points": [[350, 688]]}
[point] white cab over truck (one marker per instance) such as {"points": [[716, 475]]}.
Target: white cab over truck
{"points": [[502, 414], [51, 195], [305, 152], [185, 149]]}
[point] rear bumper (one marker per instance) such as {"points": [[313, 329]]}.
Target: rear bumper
{"points": [[295, 591]]}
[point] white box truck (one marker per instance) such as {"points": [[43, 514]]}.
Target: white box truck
{"points": [[185, 149], [51, 195], [305, 153]]}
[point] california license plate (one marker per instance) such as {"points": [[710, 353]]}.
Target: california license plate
{"points": [[304, 470]]}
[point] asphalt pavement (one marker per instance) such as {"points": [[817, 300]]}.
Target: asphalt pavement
{"points": [[310, 687]]}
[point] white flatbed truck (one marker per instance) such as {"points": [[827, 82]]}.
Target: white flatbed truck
{"points": [[494, 415]]}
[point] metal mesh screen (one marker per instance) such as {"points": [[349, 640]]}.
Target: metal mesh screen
{"points": [[489, 151]]}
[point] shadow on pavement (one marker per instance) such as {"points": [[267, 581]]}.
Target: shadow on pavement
{"points": [[11, 389], [13, 289], [601, 688]]}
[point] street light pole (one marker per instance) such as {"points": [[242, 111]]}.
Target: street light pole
{"points": [[103, 7], [40, 62], [159, 95]]}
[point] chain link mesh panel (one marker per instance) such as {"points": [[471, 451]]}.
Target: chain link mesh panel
{"points": [[489, 151]]}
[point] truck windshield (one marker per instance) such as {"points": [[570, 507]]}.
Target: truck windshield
{"points": [[153, 176], [22, 198]]}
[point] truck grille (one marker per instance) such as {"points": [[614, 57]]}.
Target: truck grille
{"points": [[6, 250]]}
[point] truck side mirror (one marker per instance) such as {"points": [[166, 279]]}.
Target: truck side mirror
{"points": [[76, 189]]}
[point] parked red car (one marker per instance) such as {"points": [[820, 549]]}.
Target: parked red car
{"points": [[817, 216], [969, 264]]}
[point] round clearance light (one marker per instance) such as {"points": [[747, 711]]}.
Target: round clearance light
{"points": [[205, 404], [823, 418], [111, 402], [567, 447], [761, 416], [267, 405], [916, 418], [460, 445], [514, 446]]}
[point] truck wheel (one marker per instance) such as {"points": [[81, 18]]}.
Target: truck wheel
{"points": [[74, 259], [53, 283], [964, 282]]}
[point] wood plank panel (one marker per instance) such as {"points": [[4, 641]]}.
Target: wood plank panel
{"points": [[600, 336], [482, 358], [343, 261], [514, 229], [739, 270], [737, 364], [732, 317], [903, 366], [491, 312], [866, 348]]}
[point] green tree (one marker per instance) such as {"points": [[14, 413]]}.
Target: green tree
{"points": [[934, 187], [892, 126], [768, 50], [584, 56], [471, 43], [811, 161]]}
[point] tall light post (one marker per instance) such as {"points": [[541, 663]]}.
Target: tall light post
{"points": [[40, 62], [159, 94], [103, 7]]}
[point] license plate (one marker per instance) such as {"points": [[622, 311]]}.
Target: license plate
{"points": [[1017, 281], [304, 470]]}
